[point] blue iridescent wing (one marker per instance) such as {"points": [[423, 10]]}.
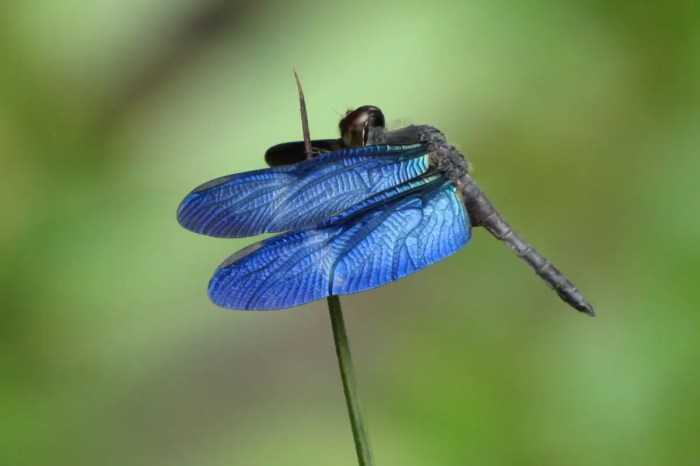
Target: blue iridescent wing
{"points": [[389, 236], [292, 196]]}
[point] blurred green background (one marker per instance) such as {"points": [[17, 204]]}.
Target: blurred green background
{"points": [[581, 119]]}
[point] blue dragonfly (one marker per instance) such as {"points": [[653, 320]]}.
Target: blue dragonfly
{"points": [[369, 208]]}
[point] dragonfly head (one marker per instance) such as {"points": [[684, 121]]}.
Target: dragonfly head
{"points": [[355, 126]]}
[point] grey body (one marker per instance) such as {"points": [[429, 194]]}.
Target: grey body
{"points": [[447, 159]]}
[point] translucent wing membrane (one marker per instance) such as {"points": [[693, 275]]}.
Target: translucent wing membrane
{"points": [[287, 197], [389, 236]]}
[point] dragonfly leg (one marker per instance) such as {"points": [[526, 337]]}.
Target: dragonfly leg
{"points": [[483, 213]]}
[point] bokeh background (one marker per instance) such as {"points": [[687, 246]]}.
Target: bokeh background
{"points": [[582, 121]]}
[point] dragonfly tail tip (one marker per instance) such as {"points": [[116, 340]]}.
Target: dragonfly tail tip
{"points": [[586, 309]]}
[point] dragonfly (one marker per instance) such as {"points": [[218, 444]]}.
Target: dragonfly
{"points": [[369, 208]]}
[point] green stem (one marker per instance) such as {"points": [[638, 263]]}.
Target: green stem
{"points": [[342, 350], [340, 337]]}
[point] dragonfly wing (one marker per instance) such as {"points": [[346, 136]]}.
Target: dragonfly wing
{"points": [[289, 153], [387, 237], [292, 196]]}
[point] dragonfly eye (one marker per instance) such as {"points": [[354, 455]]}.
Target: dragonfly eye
{"points": [[356, 123]]}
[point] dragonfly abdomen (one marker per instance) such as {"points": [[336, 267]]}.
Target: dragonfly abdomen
{"points": [[483, 213]]}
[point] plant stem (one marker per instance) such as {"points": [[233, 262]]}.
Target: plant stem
{"points": [[340, 336], [352, 399]]}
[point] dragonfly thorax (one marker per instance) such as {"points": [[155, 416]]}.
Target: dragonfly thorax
{"points": [[444, 157], [365, 126]]}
